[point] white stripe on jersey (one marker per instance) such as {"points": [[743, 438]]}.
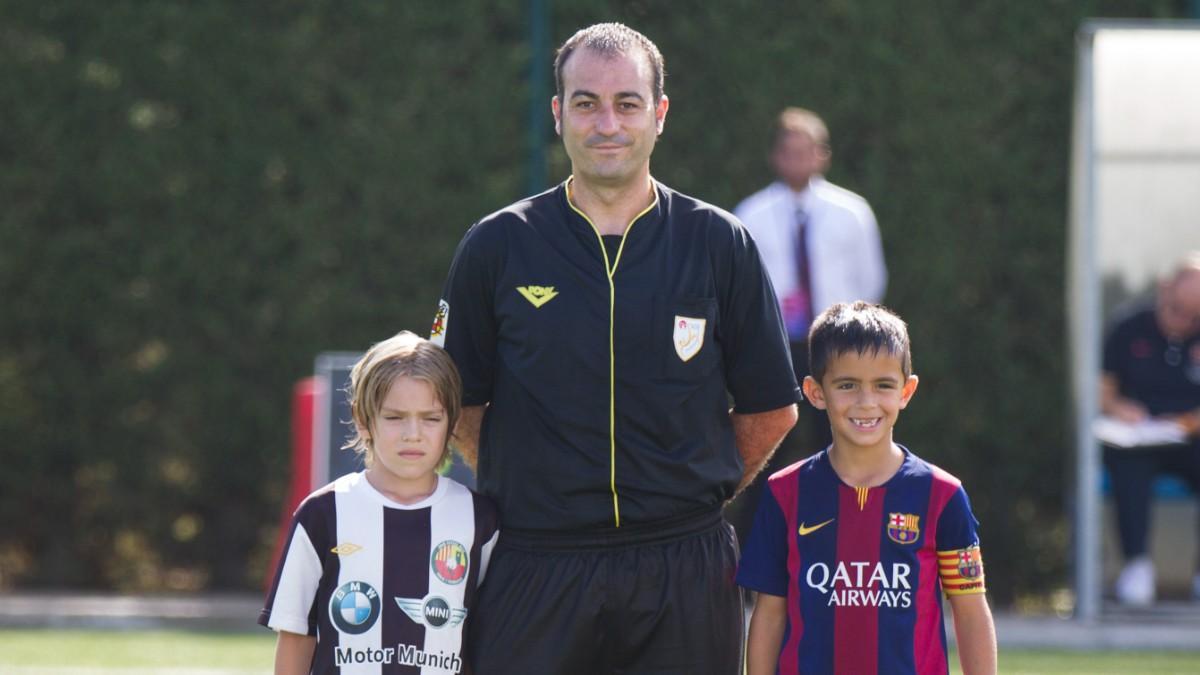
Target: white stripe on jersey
{"points": [[297, 588], [360, 523]]}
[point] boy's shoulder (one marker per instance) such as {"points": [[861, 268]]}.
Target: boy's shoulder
{"points": [[915, 467], [793, 472], [487, 514]]}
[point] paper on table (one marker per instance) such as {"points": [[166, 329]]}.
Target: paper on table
{"points": [[1150, 432]]}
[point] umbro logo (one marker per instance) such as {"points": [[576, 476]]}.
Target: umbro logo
{"points": [[537, 295], [346, 549]]}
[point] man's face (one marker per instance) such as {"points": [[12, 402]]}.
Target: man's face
{"points": [[608, 119], [797, 158], [1178, 309]]}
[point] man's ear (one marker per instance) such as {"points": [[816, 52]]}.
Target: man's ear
{"points": [[907, 391], [813, 392], [660, 113], [556, 110]]}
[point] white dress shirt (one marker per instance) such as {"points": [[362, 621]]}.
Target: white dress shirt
{"points": [[845, 254]]}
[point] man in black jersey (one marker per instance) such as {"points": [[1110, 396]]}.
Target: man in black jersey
{"points": [[601, 329]]}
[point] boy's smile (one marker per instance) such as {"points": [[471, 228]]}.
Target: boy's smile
{"points": [[863, 394]]}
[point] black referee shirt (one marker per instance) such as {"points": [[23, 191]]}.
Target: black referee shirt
{"points": [[1160, 374], [608, 377]]}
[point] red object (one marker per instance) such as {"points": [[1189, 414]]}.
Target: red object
{"points": [[304, 395]]}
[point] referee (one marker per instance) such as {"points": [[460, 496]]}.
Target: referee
{"points": [[601, 328]]}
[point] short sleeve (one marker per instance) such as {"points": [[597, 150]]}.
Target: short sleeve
{"points": [[465, 324], [758, 363], [291, 600], [960, 560], [763, 566]]}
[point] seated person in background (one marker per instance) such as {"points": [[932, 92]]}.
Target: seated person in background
{"points": [[1151, 370]]}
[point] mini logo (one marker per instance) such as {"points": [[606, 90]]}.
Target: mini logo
{"points": [[903, 528], [537, 295], [805, 531], [449, 562], [354, 607], [432, 611], [346, 548], [437, 333], [689, 336], [970, 563]]}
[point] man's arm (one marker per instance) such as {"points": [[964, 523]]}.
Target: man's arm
{"points": [[466, 434], [975, 633], [757, 435], [767, 625], [1113, 404]]}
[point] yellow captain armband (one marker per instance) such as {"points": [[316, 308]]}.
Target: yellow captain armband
{"points": [[961, 571]]}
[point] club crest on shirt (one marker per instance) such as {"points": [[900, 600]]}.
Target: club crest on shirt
{"points": [[437, 332], [689, 336], [449, 562], [903, 528], [970, 563], [354, 607]]}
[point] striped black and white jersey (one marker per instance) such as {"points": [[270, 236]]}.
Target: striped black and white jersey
{"points": [[385, 587]]}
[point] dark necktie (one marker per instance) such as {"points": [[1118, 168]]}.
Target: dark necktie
{"points": [[798, 314]]}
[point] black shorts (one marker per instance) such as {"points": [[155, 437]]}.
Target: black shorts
{"points": [[647, 598]]}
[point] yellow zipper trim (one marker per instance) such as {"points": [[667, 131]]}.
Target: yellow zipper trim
{"points": [[610, 270]]}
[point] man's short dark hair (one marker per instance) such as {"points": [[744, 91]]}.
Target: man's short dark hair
{"points": [[860, 327], [609, 40]]}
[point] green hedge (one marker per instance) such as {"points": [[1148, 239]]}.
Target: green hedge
{"points": [[199, 197]]}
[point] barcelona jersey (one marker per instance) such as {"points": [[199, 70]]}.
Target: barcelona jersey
{"points": [[863, 569]]}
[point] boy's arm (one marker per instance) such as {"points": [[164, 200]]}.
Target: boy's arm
{"points": [[975, 633], [767, 625], [294, 653], [757, 435], [466, 434]]}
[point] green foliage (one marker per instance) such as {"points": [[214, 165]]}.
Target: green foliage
{"points": [[200, 196]]}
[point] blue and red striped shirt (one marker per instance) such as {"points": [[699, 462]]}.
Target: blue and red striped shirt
{"points": [[863, 569]]}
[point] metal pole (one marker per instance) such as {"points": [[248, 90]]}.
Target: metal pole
{"points": [[539, 98], [1085, 306]]}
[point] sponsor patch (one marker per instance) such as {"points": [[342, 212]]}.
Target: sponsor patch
{"points": [[689, 336], [449, 562], [537, 295], [903, 528], [432, 611], [354, 607], [437, 332]]}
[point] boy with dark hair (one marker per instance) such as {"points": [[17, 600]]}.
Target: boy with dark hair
{"points": [[850, 547]]}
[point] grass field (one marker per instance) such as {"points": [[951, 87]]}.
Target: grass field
{"points": [[77, 652]]}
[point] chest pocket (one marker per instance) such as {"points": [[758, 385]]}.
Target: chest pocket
{"points": [[687, 330]]}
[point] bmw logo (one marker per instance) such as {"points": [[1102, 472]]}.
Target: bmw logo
{"points": [[354, 607]]}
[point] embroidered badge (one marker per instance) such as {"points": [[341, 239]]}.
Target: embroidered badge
{"points": [[903, 528], [689, 336], [437, 333], [537, 295], [970, 563], [449, 562]]}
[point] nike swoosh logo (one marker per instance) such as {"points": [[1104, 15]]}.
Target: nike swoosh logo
{"points": [[809, 530]]}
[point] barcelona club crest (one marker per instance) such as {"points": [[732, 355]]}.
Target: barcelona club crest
{"points": [[689, 336], [970, 563], [903, 528], [449, 562]]}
